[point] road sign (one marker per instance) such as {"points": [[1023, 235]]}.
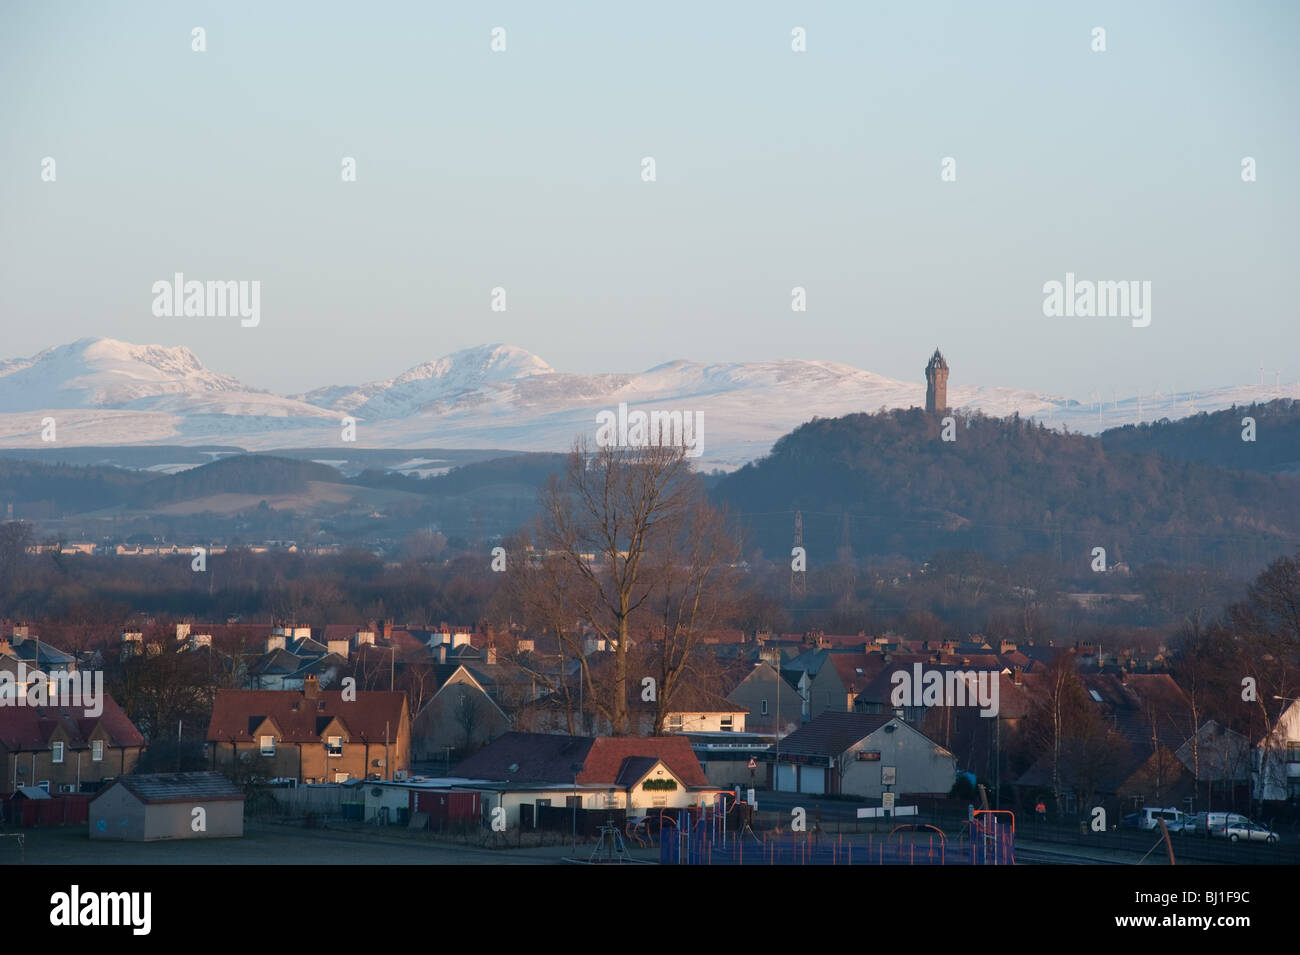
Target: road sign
{"points": [[887, 800], [750, 798], [888, 775], [753, 763]]}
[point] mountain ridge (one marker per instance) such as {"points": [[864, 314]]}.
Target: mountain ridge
{"points": [[103, 391]]}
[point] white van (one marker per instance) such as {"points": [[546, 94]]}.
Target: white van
{"points": [[1214, 823], [1149, 818]]}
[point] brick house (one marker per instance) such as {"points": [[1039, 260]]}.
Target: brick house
{"points": [[62, 750], [311, 735]]}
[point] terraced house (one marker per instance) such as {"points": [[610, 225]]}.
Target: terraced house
{"points": [[62, 750], [311, 735]]}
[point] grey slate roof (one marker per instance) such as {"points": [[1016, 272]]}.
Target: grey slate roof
{"points": [[832, 733], [177, 787]]}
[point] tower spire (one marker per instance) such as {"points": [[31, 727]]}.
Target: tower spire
{"points": [[936, 383]]}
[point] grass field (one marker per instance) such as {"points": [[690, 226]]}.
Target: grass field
{"points": [[270, 844]]}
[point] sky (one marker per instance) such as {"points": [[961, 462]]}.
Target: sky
{"points": [[775, 169]]}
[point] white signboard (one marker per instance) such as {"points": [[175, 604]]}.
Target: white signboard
{"points": [[886, 800], [878, 812]]}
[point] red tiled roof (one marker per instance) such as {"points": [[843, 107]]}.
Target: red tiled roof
{"points": [[236, 713], [532, 758], [606, 757], [847, 666], [24, 727]]}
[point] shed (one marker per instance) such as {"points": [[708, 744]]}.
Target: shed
{"points": [[147, 807]]}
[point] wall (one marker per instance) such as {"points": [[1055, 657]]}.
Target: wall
{"points": [[921, 765], [116, 762], [175, 820]]}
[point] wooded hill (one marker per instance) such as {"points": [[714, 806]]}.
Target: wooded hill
{"points": [[1005, 487]]}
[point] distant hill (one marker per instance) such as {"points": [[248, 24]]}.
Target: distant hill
{"points": [[51, 490], [239, 474], [1216, 438], [1006, 487]]}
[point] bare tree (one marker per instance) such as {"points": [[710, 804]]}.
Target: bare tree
{"points": [[627, 543], [469, 717]]}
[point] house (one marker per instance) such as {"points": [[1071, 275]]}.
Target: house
{"points": [[460, 717], [156, 806], [820, 682], [862, 755], [1131, 757], [691, 709], [772, 707], [1219, 759], [63, 749], [524, 773], [1275, 761], [311, 735], [31, 650]]}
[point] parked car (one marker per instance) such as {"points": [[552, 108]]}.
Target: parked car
{"points": [[1212, 823], [1251, 832], [1149, 818]]}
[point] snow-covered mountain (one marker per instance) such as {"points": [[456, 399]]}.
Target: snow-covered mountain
{"points": [[107, 392], [105, 373], [434, 385]]}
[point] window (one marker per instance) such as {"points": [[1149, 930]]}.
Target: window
{"points": [[726, 724], [268, 745], [57, 748], [1293, 752], [97, 751], [675, 722], [334, 745], [342, 778], [44, 784], [762, 707]]}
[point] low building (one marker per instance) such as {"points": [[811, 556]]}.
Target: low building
{"points": [[157, 806], [861, 755], [526, 773]]}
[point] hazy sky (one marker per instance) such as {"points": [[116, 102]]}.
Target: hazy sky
{"points": [[774, 169]]}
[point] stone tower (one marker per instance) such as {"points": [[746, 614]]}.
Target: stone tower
{"points": [[936, 383]]}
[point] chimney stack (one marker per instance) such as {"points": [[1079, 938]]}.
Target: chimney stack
{"points": [[311, 687]]}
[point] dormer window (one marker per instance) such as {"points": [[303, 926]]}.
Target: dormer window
{"points": [[97, 751], [268, 745], [57, 750]]}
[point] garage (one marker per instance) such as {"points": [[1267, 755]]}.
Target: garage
{"points": [[812, 780], [786, 778], [156, 806]]}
